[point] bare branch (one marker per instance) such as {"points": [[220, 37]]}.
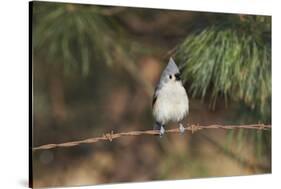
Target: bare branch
{"points": [[111, 136]]}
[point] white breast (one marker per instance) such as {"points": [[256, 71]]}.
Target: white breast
{"points": [[171, 103]]}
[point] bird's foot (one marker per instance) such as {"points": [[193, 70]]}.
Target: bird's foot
{"points": [[162, 131], [182, 129]]}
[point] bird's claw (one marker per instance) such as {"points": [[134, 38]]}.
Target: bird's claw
{"points": [[181, 128], [162, 131]]}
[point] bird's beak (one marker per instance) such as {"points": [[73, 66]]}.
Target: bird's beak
{"points": [[178, 76]]}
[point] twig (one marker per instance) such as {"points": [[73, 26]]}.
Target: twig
{"points": [[110, 136]]}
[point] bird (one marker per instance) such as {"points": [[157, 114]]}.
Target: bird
{"points": [[170, 100]]}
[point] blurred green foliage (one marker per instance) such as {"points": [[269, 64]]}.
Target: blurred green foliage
{"points": [[74, 36], [231, 58]]}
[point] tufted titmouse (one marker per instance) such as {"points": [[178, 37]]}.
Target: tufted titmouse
{"points": [[170, 101]]}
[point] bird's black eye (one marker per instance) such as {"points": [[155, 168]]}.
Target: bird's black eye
{"points": [[170, 76]]}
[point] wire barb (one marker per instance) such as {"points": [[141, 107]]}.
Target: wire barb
{"points": [[110, 136]]}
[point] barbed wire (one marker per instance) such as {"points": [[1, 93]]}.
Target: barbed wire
{"points": [[111, 136]]}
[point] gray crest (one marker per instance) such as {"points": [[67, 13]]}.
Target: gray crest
{"points": [[170, 69]]}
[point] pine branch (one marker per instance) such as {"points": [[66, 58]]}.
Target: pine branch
{"points": [[110, 136]]}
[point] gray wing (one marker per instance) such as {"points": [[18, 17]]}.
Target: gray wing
{"points": [[156, 91], [154, 98]]}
